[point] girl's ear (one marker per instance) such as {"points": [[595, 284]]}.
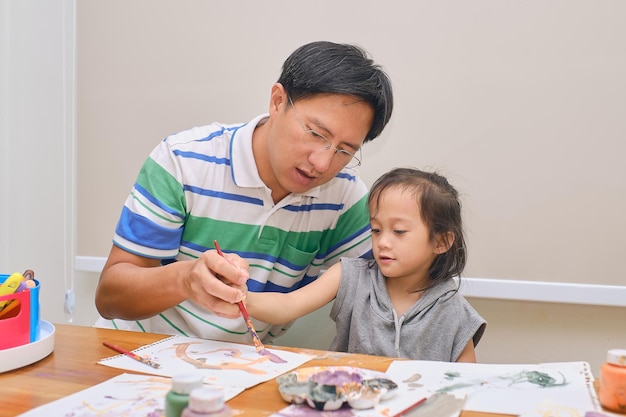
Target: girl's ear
{"points": [[443, 242]]}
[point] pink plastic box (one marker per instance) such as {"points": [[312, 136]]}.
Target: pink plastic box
{"points": [[21, 326]]}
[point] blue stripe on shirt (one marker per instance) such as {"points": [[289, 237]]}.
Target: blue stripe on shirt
{"points": [[271, 259], [314, 207], [346, 176], [347, 239], [290, 265], [138, 229], [249, 255], [256, 286], [202, 157], [157, 202], [223, 195], [219, 133], [194, 246]]}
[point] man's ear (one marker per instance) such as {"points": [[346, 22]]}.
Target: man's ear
{"points": [[278, 98], [443, 242]]}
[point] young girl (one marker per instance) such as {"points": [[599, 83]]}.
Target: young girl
{"points": [[404, 303]]}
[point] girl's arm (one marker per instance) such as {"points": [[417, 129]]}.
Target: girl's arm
{"points": [[279, 308], [468, 354]]}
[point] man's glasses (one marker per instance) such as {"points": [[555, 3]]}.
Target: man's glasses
{"points": [[345, 158]]}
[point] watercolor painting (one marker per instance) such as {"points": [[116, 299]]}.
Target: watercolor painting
{"points": [[536, 390], [527, 379], [124, 395], [223, 363]]}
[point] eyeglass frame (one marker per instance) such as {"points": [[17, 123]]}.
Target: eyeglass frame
{"points": [[328, 143]]}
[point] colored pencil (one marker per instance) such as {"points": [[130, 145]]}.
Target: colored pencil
{"points": [[132, 355], [244, 312]]}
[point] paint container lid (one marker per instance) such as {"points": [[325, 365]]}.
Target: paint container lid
{"points": [[616, 357], [206, 400], [185, 383]]}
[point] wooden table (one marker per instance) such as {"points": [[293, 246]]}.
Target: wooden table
{"points": [[73, 367]]}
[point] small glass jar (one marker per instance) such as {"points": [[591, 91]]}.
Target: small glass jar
{"points": [[612, 392], [206, 402]]}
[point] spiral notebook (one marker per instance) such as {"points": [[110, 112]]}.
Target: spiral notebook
{"points": [[224, 363], [526, 390]]}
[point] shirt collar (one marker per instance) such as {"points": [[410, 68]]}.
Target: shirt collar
{"points": [[242, 160]]}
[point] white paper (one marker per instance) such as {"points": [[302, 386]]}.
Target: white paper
{"points": [[221, 363], [230, 367], [127, 395], [533, 390]]}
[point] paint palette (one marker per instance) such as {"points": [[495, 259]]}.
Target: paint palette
{"points": [[327, 388]]}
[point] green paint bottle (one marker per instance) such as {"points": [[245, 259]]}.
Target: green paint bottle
{"points": [[177, 397]]}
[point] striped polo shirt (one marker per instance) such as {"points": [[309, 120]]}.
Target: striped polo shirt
{"points": [[202, 184]]}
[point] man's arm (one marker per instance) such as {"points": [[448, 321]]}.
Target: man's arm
{"points": [[133, 287]]}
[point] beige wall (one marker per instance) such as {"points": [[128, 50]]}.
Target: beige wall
{"points": [[521, 104]]}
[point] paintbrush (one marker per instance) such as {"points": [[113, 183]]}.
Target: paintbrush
{"points": [[132, 355], [255, 337]]}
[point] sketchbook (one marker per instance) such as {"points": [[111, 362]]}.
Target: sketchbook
{"points": [[229, 367], [221, 363], [530, 390]]}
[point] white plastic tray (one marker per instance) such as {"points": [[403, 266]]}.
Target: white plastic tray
{"points": [[19, 356]]}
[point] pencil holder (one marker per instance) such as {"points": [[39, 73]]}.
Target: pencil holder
{"points": [[19, 319]]}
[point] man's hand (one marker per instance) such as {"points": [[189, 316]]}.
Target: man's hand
{"points": [[218, 282], [133, 287]]}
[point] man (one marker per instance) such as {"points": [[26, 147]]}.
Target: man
{"points": [[278, 193]]}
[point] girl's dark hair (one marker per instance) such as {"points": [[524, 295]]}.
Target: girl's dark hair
{"points": [[333, 68], [440, 209]]}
